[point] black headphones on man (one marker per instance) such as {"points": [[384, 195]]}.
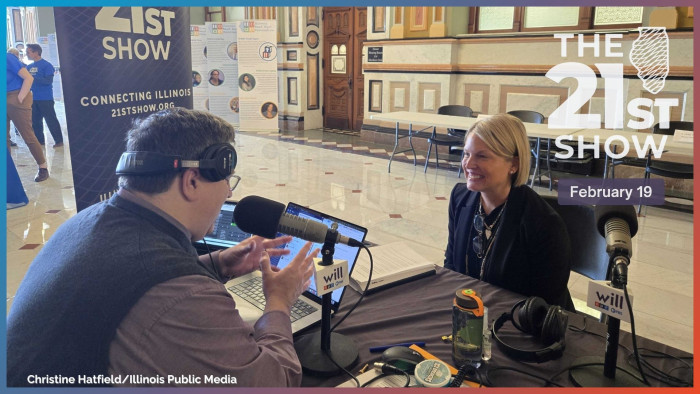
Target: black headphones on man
{"points": [[539, 319], [216, 163]]}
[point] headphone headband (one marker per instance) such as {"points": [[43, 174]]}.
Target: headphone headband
{"points": [[147, 163], [216, 163]]}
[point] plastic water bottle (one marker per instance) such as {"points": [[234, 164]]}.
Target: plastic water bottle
{"points": [[467, 327]]}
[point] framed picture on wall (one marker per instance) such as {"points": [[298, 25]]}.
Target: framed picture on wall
{"points": [[292, 56], [378, 25], [375, 96], [418, 18]]}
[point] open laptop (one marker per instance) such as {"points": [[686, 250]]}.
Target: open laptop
{"points": [[247, 290], [225, 234]]}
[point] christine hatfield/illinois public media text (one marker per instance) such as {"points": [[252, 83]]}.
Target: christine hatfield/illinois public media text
{"points": [[129, 380]]}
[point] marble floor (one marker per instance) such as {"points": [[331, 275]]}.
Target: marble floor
{"points": [[345, 177]]}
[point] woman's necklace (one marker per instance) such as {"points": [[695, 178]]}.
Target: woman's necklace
{"points": [[489, 231]]}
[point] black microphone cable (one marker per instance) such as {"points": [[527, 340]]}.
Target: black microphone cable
{"points": [[369, 280], [549, 381], [216, 270], [660, 375], [583, 329], [462, 374], [634, 336], [595, 363], [330, 357], [387, 369], [653, 372], [632, 352]]}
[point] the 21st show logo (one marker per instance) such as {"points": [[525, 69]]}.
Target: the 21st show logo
{"points": [[649, 55]]}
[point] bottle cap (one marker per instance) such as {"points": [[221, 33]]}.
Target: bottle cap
{"points": [[469, 299], [433, 373]]}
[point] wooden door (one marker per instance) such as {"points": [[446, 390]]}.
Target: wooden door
{"points": [[345, 30]]}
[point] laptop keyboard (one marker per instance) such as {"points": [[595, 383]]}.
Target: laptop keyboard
{"points": [[251, 291]]}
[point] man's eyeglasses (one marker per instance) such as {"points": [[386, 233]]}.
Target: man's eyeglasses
{"points": [[233, 181]]}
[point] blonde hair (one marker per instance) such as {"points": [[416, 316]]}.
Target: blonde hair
{"points": [[506, 136], [13, 51]]}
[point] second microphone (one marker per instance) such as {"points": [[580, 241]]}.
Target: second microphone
{"points": [[264, 217]]}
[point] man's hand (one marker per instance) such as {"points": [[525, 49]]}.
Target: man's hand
{"points": [[21, 96], [27, 81], [283, 288], [247, 256]]}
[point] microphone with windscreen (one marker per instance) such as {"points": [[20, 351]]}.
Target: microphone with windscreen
{"points": [[264, 217], [618, 224]]}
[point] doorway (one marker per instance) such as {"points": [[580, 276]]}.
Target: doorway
{"points": [[345, 31]]}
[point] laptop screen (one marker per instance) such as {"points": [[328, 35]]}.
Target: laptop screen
{"points": [[226, 233], [342, 252]]}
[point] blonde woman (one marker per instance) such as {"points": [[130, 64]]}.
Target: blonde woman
{"points": [[501, 231]]}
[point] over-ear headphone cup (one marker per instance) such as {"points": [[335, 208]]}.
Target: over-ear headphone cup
{"points": [[217, 154], [554, 326], [523, 316], [209, 154], [531, 315], [537, 318], [550, 328]]}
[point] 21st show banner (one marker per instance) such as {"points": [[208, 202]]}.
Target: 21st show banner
{"points": [[117, 64]]}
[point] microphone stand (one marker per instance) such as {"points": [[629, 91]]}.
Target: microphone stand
{"points": [[594, 371], [314, 349]]}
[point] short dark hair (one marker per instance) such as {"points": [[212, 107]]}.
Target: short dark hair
{"points": [[174, 131], [35, 48]]}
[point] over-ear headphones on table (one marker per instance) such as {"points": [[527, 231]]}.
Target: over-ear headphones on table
{"points": [[537, 318], [216, 163]]}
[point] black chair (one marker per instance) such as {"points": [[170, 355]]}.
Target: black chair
{"points": [[588, 255], [454, 137], [667, 168], [535, 144], [637, 162], [528, 116], [627, 161]]}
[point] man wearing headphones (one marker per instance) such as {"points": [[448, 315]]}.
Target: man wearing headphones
{"points": [[118, 295]]}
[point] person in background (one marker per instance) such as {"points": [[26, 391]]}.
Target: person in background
{"points": [[20, 50], [42, 89], [119, 290], [19, 111], [500, 230], [15, 52]]}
